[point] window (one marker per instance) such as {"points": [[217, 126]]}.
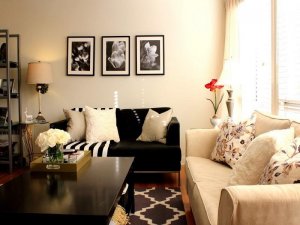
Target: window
{"points": [[288, 57], [255, 55]]}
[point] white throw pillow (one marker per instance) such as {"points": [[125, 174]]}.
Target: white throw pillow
{"points": [[76, 124], [284, 166], [257, 155], [101, 125], [155, 126], [232, 141]]}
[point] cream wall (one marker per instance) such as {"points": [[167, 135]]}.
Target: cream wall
{"points": [[194, 42]]}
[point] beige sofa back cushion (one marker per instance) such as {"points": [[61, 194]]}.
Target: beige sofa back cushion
{"points": [[296, 126], [266, 122]]}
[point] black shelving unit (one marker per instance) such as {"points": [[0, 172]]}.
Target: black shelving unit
{"points": [[9, 69]]}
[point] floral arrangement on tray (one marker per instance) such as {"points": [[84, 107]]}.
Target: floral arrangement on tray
{"points": [[53, 141]]}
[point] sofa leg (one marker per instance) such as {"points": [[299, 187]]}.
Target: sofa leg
{"points": [[179, 178]]}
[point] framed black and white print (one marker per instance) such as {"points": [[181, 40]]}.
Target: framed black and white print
{"points": [[115, 55], [150, 55], [80, 56]]}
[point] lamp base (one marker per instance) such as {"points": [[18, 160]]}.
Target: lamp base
{"points": [[230, 103], [40, 118]]}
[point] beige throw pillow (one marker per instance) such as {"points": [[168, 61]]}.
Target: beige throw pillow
{"points": [[101, 125], [259, 152], [155, 126], [284, 166], [76, 124], [233, 140]]}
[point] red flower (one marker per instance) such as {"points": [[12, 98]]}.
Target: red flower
{"points": [[213, 87]]}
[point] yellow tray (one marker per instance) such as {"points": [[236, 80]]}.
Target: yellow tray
{"points": [[38, 166]]}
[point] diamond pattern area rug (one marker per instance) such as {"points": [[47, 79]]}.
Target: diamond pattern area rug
{"points": [[158, 206]]}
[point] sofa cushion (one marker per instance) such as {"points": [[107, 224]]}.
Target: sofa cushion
{"points": [[233, 140], [259, 152], [155, 126], [296, 126], [284, 166], [206, 179], [76, 124], [266, 122], [96, 148], [149, 156], [101, 125]]}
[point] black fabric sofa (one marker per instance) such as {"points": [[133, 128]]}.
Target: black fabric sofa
{"points": [[149, 156]]}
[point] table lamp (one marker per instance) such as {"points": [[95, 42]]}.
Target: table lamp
{"points": [[226, 80], [40, 74]]}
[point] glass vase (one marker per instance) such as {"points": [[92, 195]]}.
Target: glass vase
{"points": [[55, 157]]}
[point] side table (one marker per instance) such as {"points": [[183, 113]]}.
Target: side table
{"points": [[30, 131]]}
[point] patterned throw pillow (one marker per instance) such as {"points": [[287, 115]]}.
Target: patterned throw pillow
{"points": [[233, 140], [284, 166]]}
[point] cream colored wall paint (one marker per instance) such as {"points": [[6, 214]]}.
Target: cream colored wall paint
{"points": [[194, 42]]}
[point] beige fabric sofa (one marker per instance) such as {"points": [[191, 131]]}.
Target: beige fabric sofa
{"points": [[214, 202]]}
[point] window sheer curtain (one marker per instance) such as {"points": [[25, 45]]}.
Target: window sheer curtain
{"points": [[231, 52], [248, 46]]}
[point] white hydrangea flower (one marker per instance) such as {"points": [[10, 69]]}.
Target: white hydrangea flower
{"points": [[52, 137]]}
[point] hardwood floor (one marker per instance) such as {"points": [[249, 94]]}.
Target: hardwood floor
{"points": [[141, 180]]}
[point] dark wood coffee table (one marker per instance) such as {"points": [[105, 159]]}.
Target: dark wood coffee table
{"points": [[88, 196]]}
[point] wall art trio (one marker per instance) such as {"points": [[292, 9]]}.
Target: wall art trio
{"points": [[115, 55]]}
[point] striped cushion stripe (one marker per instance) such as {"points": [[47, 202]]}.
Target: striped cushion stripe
{"points": [[97, 149]]}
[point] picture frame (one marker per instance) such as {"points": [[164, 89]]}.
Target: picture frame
{"points": [[115, 55], [3, 116], [3, 86], [80, 55], [150, 54]]}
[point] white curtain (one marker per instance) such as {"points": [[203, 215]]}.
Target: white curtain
{"points": [[248, 48], [231, 50], [231, 53]]}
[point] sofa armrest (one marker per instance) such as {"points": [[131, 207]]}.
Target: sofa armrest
{"points": [[173, 132], [260, 205], [61, 124], [200, 142]]}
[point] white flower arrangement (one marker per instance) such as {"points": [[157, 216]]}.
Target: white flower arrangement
{"points": [[51, 138]]}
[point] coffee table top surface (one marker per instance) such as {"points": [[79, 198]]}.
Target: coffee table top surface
{"points": [[93, 191]]}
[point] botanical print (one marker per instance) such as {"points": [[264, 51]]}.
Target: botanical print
{"points": [[80, 56], [115, 55], [284, 166], [232, 141], [81, 53], [150, 55]]}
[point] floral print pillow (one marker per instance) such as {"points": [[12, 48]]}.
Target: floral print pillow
{"points": [[233, 140], [284, 166]]}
